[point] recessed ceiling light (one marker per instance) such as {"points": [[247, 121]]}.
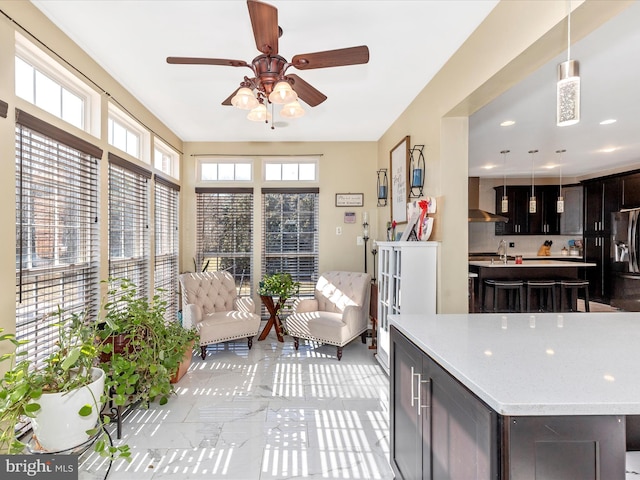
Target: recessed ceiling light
{"points": [[489, 167], [608, 150], [609, 121], [508, 123], [550, 166]]}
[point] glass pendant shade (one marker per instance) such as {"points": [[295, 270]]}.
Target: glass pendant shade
{"points": [[568, 93], [292, 110], [259, 114], [282, 93], [244, 99], [505, 204], [533, 205]]}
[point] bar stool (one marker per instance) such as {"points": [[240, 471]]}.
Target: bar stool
{"points": [[512, 288], [569, 290], [546, 290]]}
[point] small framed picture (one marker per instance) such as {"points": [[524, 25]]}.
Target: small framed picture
{"points": [[349, 199], [349, 217]]}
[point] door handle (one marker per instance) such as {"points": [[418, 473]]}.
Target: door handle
{"points": [[419, 396], [413, 392]]}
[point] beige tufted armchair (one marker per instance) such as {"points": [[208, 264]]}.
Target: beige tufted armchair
{"points": [[210, 303], [337, 314]]}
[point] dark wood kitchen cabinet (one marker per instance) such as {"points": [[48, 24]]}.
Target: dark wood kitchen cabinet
{"points": [[601, 198], [546, 220], [631, 191], [439, 429]]}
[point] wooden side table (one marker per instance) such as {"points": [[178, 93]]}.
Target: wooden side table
{"points": [[274, 320]]}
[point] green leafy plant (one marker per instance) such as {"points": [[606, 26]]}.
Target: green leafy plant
{"points": [[279, 285], [153, 347], [68, 368]]}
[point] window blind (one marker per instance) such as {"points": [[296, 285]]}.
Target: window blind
{"points": [[290, 234], [129, 223], [57, 235], [166, 195], [225, 233]]}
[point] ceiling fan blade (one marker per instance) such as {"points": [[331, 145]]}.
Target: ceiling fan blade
{"points": [[264, 21], [206, 61], [306, 92], [332, 58], [227, 102]]}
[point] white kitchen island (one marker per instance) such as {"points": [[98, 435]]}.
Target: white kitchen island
{"points": [[513, 396]]}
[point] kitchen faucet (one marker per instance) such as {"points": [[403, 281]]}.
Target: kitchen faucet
{"points": [[502, 251]]}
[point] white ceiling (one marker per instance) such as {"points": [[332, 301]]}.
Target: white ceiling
{"points": [[409, 41], [610, 79]]}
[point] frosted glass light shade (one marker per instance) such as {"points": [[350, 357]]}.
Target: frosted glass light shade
{"points": [[259, 114], [282, 93], [568, 93], [292, 110], [244, 99]]}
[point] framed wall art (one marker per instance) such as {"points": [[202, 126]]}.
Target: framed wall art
{"points": [[349, 199], [399, 168]]}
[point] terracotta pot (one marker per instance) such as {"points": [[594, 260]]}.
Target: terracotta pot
{"points": [[184, 364]]}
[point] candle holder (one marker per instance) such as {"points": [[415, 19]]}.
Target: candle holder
{"points": [[365, 236], [383, 187], [374, 252], [417, 171]]}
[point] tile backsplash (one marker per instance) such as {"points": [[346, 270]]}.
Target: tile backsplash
{"points": [[482, 238]]}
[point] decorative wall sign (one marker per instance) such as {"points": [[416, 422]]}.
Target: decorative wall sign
{"points": [[349, 199], [399, 167], [349, 217]]}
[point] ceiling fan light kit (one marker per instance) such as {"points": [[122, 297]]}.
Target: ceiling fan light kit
{"points": [[292, 110], [244, 99], [270, 83]]}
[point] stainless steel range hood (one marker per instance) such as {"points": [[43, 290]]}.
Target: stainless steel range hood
{"points": [[475, 214]]}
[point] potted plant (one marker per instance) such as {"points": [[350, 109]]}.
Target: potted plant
{"points": [[62, 395], [279, 285], [152, 348]]}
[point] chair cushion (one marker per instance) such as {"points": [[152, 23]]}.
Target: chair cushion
{"points": [[222, 326], [325, 327]]}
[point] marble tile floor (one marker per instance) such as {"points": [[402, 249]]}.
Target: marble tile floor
{"points": [[265, 413]]}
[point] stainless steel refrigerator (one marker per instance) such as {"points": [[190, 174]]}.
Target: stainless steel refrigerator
{"points": [[625, 260]]}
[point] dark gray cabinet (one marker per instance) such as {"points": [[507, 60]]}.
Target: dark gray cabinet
{"points": [[439, 430], [631, 191]]}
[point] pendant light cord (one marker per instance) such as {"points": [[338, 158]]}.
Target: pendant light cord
{"points": [[569, 32]]}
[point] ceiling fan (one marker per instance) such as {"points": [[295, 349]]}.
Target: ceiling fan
{"points": [[270, 83]]}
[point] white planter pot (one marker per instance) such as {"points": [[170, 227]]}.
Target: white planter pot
{"points": [[57, 425]]}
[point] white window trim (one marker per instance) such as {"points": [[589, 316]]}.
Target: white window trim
{"points": [[121, 117], [42, 62], [225, 160]]}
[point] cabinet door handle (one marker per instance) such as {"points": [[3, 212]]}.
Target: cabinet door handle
{"points": [[420, 406]]}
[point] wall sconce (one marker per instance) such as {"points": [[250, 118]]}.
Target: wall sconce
{"points": [[417, 171], [383, 187]]}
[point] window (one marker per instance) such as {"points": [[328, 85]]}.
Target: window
{"points": [[165, 159], [46, 84], [166, 237], [292, 170], [129, 222], [57, 247], [225, 171], [290, 234], [225, 233], [127, 135]]}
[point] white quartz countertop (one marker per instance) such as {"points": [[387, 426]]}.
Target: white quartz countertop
{"points": [[530, 263], [542, 364]]}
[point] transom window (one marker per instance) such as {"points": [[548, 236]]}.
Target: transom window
{"points": [[165, 159], [126, 134], [297, 171], [226, 171], [46, 84]]}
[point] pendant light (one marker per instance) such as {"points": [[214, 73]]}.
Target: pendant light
{"points": [[560, 202], [505, 199], [568, 86], [533, 207]]}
